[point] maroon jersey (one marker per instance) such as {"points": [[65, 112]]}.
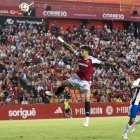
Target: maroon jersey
{"points": [[86, 68]]}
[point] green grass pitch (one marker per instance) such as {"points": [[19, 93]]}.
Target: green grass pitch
{"points": [[102, 128]]}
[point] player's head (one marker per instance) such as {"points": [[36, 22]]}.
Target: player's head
{"points": [[87, 49]]}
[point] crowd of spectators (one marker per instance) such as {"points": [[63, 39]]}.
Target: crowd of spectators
{"points": [[32, 61]]}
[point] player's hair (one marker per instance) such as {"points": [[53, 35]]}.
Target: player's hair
{"points": [[86, 48]]}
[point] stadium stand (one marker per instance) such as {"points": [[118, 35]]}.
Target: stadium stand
{"points": [[32, 61]]}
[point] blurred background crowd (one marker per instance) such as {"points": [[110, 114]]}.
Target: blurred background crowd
{"points": [[33, 63]]}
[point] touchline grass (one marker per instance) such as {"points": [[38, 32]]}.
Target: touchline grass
{"points": [[102, 128]]}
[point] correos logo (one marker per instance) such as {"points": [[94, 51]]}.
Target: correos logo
{"points": [[55, 13], [22, 113], [113, 16]]}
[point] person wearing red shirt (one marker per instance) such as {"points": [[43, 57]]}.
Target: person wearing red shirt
{"points": [[83, 76]]}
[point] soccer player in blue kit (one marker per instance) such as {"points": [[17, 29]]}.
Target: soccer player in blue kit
{"points": [[134, 109]]}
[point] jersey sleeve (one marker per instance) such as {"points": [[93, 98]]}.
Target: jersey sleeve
{"points": [[136, 83], [95, 60]]}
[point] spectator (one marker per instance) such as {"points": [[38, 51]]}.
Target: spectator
{"points": [[24, 101], [67, 109], [28, 53]]}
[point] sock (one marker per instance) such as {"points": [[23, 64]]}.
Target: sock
{"points": [[87, 108], [127, 127], [87, 119], [136, 122], [59, 90]]}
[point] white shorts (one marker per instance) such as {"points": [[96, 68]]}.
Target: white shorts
{"points": [[77, 82]]}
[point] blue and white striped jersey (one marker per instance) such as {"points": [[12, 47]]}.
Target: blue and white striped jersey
{"points": [[136, 97]]}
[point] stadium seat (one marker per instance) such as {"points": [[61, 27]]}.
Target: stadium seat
{"points": [[51, 100], [56, 100], [77, 91], [78, 95], [70, 100], [73, 95], [91, 95], [83, 99], [71, 90], [74, 100], [16, 102]]}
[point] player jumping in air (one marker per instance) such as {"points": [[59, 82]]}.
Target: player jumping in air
{"points": [[82, 78]]}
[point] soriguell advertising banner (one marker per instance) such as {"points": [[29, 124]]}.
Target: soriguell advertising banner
{"points": [[73, 14], [56, 110]]}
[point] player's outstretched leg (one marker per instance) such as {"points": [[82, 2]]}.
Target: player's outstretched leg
{"points": [[59, 90]]}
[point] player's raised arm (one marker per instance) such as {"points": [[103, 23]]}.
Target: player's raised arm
{"points": [[109, 64], [67, 46], [98, 62]]}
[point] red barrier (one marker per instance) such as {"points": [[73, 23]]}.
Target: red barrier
{"points": [[102, 109], [45, 111]]}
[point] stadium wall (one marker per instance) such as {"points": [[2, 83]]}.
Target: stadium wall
{"points": [[54, 110], [66, 15], [74, 11], [96, 23], [62, 22]]}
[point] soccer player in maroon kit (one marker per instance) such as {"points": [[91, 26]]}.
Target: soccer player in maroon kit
{"points": [[83, 76]]}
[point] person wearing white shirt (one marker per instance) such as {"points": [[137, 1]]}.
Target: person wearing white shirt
{"points": [[24, 101], [134, 109]]}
